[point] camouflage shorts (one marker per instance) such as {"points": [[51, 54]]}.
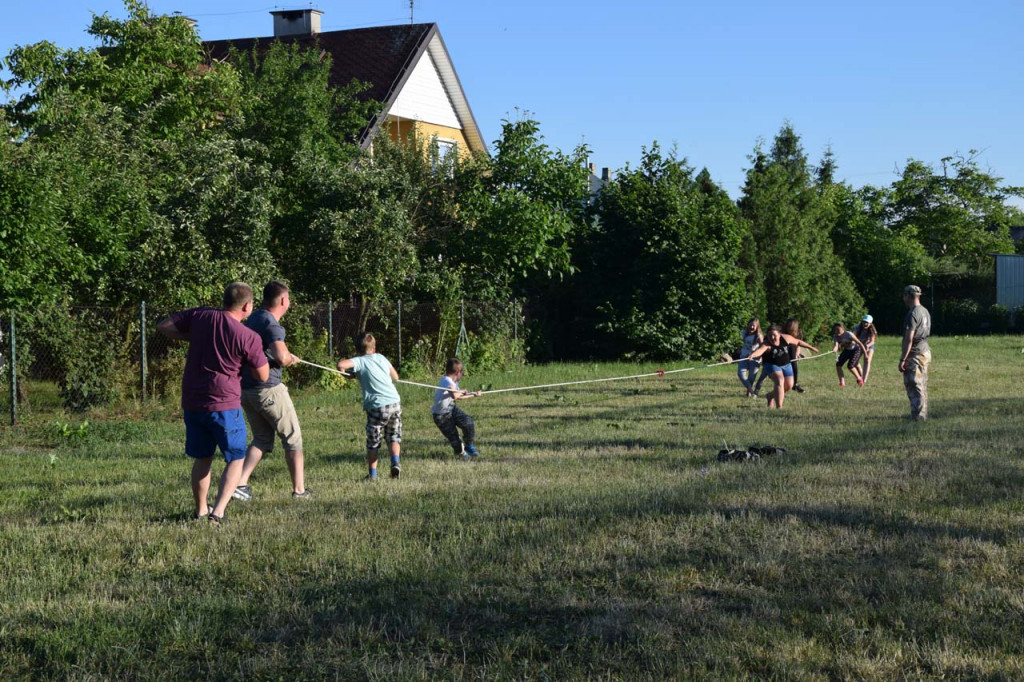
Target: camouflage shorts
{"points": [[915, 380], [383, 423]]}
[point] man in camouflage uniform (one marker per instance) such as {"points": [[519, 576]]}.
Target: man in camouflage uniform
{"points": [[916, 355]]}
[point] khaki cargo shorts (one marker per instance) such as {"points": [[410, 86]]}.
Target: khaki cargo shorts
{"points": [[270, 412]]}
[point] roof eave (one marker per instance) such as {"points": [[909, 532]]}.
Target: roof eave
{"points": [[433, 43]]}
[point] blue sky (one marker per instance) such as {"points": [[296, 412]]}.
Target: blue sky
{"points": [[878, 81]]}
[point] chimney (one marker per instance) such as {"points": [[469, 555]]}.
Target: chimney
{"points": [[296, 22], [606, 174], [591, 167], [191, 22]]}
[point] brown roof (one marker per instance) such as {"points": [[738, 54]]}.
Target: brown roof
{"points": [[380, 56]]}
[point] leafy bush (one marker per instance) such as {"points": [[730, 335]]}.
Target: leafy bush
{"points": [[82, 350], [998, 319], [960, 316], [165, 372], [1017, 319]]}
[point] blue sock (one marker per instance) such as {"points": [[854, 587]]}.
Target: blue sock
{"points": [[373, 472], [394, 460]]}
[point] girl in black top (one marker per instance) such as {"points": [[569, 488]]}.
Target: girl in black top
{"points": [[792, 328], [776, 352]]}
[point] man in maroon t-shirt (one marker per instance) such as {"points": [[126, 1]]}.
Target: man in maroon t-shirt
{"points": [[211, 392]]}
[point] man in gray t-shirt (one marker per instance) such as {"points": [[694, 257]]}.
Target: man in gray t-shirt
{"points": [[916, 354], [267, 404]]}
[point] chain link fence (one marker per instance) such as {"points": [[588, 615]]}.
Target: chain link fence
{"points": [[76, 359]]}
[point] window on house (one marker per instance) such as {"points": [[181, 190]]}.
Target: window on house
{"points": [[446, 156]]}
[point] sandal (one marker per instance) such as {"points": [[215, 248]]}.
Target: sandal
{"points": [[215, 520]]}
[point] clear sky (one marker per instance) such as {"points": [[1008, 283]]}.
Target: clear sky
{"points": [[880, 81]]}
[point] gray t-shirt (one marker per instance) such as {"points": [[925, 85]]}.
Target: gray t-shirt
{"points": [[270, 330], [444, 402], [920, 322]]}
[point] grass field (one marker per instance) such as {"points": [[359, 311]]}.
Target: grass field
{"points": [[596, 537]]}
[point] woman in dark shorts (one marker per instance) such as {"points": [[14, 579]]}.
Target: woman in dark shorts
{"points": [[852, 348], [777, 363]]}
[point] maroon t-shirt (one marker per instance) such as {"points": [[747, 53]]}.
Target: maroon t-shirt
{"points": [[218, 348]]}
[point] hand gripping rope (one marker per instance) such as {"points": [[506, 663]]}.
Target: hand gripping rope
{"points": [[657, 373]]}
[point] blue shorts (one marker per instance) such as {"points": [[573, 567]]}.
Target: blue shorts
{"points": [[205, 431], [787, 369]]}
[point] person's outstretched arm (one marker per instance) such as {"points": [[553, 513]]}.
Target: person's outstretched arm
{"points": [[799, 342], [282, 355], [167, 327]]}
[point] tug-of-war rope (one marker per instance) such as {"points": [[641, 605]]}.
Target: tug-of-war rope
{"points": [[657, 373]]}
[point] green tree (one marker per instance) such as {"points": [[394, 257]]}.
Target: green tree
{"points": [[794, 262], [291, 108], [37, 258], [880, 260], [960, 215], [358, 236], [511, 218], [142, 192], [662, 272], [149, 69]]}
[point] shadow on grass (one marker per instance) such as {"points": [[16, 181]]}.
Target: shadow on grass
{"points": [[678, 581], [570, 587]]}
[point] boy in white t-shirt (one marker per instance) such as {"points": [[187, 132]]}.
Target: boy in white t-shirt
{"points": [[381, 402], [448, 417]]}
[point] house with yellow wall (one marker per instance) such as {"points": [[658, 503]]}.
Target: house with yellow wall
{"points": [[407, 67]]}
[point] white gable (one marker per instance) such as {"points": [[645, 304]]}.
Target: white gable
{"points": [[423, 98]]}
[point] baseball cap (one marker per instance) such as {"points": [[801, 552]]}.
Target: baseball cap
{"points": [[868, 319], [912, 290]]}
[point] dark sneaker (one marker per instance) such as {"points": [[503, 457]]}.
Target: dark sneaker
{"points": [[369, 479], [304, 495], [472, 451], [243, 493], [396, 471], [798, 388]]}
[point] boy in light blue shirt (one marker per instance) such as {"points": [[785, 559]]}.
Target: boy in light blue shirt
{"points": [[380, 401]]}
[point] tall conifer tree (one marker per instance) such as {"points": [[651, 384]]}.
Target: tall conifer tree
{"points": [[794, 262]]}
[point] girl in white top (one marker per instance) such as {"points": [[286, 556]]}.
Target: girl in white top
{"points": [[866, 332], [747, 369]]}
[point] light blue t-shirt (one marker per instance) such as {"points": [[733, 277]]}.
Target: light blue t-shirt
{"points": [[374, 372], [443, 400]]}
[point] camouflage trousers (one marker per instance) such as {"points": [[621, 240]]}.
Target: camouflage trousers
{"points": [[915, 380]]}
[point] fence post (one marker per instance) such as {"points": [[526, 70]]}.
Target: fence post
{"points": [[330, 329], [143, 364], [399, 330], [463, 336], [14, 374], [515, 321]]}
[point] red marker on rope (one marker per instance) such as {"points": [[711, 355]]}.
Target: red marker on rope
{"points": [[660, 372]]}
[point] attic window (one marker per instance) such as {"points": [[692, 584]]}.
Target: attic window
{"points": [[447, 154]]}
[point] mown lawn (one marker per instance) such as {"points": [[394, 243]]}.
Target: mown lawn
{"points": [[596, 537]]}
